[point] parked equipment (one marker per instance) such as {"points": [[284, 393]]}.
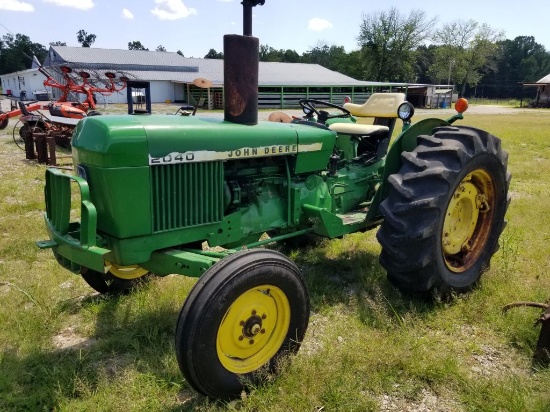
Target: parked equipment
{"points": [[6, 116], [87, 85], [32, 122], [439, 194]]}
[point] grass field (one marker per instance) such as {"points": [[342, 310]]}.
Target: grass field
{"points": [[368, 347]]}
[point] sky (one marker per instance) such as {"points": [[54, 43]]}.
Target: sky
{"points": [[196, 26]]}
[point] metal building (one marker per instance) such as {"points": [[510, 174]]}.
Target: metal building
{"points": [[171, 77]]}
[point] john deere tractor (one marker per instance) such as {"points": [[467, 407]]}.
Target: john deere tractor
{"points": [[165, 194]]}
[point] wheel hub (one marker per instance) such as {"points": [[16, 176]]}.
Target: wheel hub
{"points": [[252, 326], [253, 329], [468, 221], [461, 219]]}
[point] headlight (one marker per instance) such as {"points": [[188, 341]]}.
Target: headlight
{"points": [[405, 111]]}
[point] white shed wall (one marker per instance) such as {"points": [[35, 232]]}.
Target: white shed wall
{"points": [[29, 81], [160, 92]]}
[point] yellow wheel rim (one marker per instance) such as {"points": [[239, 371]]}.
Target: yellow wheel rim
{"points": [[253, 329], [468, 220], [126, 272]]}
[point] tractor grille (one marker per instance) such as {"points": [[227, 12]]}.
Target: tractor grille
{"points": [[186, 194]]}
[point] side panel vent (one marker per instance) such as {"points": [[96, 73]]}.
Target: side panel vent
{"points": [[186, 194]]}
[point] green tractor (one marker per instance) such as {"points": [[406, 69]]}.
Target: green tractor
{"points": [[153, 189]]}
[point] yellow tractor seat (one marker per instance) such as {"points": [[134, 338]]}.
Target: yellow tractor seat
{"points": [[378, 105], [368, 143], [358, 129]]}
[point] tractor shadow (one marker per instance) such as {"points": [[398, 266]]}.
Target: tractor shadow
{"points": [[343, 272]]}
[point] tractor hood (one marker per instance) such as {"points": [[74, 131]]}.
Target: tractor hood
{"points": [[134, 141]]}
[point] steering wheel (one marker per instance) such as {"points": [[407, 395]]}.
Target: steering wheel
{"points": [[308, 106]]}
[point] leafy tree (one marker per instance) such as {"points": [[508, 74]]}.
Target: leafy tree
{"points": [[58, 43], [160, 48], [518, 61], [180, 53], [425, 56], [327, 56], [136, 45], [85, 39], [16, 53], [354, 66], [270, 54], [213, 54], [388, 41], [291, 56], [467, 50]]}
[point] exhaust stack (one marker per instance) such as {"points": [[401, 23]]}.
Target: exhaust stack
{"points": [[240, 71]]}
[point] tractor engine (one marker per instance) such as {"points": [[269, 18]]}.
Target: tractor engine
{"points": [[173, 181]]}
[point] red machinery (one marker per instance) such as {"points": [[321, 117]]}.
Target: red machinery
{"points": [[69, 109], [34, 121], [5, 116], [77, 110]]}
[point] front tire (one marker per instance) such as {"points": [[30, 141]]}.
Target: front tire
{"points": [[244, 314], [445, 211], [119, 280]]}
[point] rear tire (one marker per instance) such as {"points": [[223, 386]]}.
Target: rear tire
{"points": [[445, 211], [244, 314]]}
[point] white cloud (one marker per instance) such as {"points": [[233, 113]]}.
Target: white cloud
{"points": [[127, 14], [318, 24], [172, 10], [226, 1], [15, 5], [76, 4]]}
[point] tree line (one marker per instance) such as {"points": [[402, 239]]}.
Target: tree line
{"points": [[392, 47]]}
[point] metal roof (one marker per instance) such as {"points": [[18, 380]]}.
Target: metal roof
{"points": [[545, 80], [168, 66]]}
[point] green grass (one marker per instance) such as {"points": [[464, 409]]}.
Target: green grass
{"points": [[368, 347]]}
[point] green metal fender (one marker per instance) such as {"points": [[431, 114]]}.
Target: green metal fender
{"points": [[405, 142]]}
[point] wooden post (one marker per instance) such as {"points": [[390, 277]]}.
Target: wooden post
{"points": [[41, 147], [29, 147], [51, 149]]}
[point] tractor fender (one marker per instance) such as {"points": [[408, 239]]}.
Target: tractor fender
{"points": [[405, 142]]}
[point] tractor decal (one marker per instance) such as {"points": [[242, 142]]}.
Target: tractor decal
{"points": [[241, 153]]}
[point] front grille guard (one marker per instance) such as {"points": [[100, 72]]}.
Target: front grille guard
{"points": [[73, 243]]}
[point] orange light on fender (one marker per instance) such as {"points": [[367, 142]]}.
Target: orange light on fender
{"points": [[461, 105]]}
